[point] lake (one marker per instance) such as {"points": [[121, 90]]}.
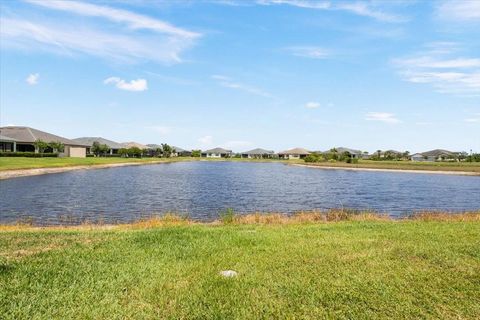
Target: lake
{"points": [[203, 189]]}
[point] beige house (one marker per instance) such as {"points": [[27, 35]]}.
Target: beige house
{"points": [[88, 141], [133, 144], [217, 153], [293, 154], [24, 141]]}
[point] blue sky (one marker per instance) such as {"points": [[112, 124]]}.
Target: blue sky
{"points": [[242, 74]]}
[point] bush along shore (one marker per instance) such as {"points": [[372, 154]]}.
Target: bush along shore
{"points": [[334, 264]]}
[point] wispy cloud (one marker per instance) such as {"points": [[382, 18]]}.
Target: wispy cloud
{"points": [[440, 66], [206, 140], [361, 8], [133, 85], [312, 105], [235, 144], [382, 117], [308, 52], [123, 35], [475, 118], [32, 79], [228, 82], [459, 10], [162, 130], [132, 20]]}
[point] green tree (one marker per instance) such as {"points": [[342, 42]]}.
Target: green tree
{"points": [[99, 149], [40, 145], [123, 152], [167, 150], [135, 152], [57, 146], [196, 153]]}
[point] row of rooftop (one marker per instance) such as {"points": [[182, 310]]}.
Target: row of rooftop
{"points": [[22, 139]]}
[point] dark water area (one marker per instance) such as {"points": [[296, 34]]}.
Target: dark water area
{"points": [[202, 190]]}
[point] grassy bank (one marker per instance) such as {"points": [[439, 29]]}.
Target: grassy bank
{"points": [[15, 163], [406, 165], [364, 268]]}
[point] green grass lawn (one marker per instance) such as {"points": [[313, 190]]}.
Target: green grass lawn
{"points": [[407, 165], [10, 163], [347, 270]]}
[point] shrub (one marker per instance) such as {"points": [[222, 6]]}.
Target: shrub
{"points": [[28, 154], [196, 153], [227, 216], [314, 157]]}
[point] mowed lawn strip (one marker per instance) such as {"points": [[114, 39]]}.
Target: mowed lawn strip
{"points": [[18, 163], [359, 270]]}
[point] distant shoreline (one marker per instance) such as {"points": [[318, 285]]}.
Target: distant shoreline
{"points": [[461, 173], [17, 173]]}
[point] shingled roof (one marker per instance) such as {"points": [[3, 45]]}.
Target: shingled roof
{"points": [[217, 150], [296, 151], [133, 144], [258, 151], [30, 135], [90, 140]]}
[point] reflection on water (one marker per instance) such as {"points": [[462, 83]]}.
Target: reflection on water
{"points": [[203, 189]]}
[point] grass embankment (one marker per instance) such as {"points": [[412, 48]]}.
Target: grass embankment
{"points": [[12, 163], [18, 163], [405, 165], [287, 268]]}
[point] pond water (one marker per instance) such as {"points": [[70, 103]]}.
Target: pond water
{"points": [[203, 189]]}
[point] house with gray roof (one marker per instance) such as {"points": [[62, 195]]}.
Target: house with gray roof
{"points": [[258, 153], [435, 155], [217, 153], [293, 154], [179, 152], [354, 154], [7, 144], [88, 141], [25, 138]]}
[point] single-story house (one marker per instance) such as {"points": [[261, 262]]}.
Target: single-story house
{"points": [[114, 146], [435, 155], [25, 138], [182, 152], [133, 144], [354, 154], [217, 153], [179, 152], [295, 153], [7, 144], [258, 154], [418, 157]]}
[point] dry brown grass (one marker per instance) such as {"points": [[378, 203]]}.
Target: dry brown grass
{"points": [[446, 216], [301, 217]]}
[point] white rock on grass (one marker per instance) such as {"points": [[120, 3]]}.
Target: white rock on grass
{"points": [[228, 273]]}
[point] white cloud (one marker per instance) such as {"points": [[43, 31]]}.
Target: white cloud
{"points": [[361, 8], [32, 79], [235, 144], [459, 10], [119, 38], [133, 20], [382, 116], [133, 85], [312, 105], [163, 130], [206, 140], [308, 52], [474, 119], [228, 82], [440, 66]]}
